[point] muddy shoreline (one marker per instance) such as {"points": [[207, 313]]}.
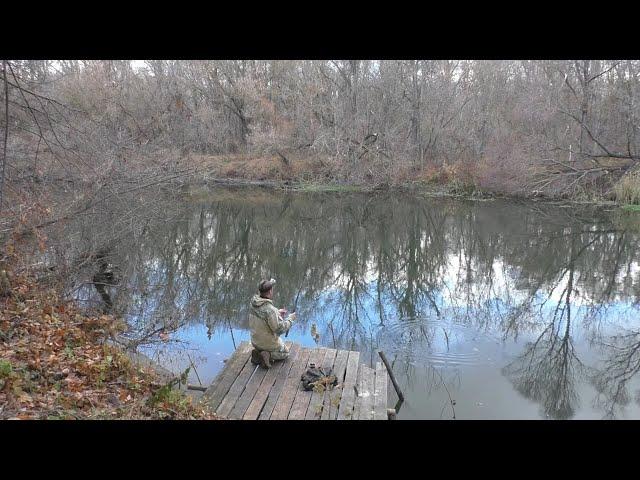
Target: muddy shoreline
{"points": [[417, 189]]}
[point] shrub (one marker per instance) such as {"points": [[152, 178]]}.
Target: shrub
{"points": [[627, 190]]}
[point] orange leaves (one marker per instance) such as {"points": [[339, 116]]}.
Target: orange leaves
{"points": [[23, 416], [124, 396], [60, 367], [74, 384], [23, 289], [41, 238], [25, 398]]}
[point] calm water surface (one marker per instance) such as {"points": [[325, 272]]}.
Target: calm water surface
{"points": [[487, 309]]}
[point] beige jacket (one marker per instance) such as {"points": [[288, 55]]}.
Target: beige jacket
{"points": [[266, 324]]}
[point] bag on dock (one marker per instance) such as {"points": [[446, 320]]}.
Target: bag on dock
{"points": [[318, 377]]}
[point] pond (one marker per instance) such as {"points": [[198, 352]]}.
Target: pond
{"points": [[487, 309]]}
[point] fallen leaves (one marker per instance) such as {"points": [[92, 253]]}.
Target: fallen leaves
{"points": [[56, 363]]}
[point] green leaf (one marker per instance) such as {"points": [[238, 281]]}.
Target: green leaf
{"points": [[5, 368]]}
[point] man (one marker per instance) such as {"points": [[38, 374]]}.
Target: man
{"points": [[266, 324]]}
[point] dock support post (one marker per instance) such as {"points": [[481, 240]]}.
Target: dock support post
{"points": [[393, 378]]}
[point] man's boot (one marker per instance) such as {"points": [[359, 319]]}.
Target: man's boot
{"points": [[256, 359], [266, 359]]}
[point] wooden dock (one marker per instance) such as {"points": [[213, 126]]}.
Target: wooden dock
{"points": [[243, 391]]}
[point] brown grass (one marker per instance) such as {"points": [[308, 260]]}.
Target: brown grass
{"points": [[627, 190]]}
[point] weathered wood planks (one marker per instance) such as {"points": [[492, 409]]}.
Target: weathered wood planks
{"points": [[380, 395], [267, 394], [245, 391], [348, 393], [236, 389], [365, 394], [291, 386], [221, 385], [332, 398], [250, 390]]}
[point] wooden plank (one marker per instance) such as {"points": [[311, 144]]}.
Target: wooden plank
{"points": [[243, 390], [366, 405], [222, 383], [358, 402], [236, 390], [292, 383], [332, 399], [262, 394], [250, 390], [276, 388], [247, 394], [380, 395], [314, 411], [230, 370], [345, 411], [301, 401]]}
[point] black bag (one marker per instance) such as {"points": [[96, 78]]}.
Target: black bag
{"points": [[318, 377]]}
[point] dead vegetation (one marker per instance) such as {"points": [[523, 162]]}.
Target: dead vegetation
{"points": [[627, 190], [554, 128], [57, 361]]}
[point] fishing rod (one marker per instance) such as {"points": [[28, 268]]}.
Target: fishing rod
{"points": [[295, 302]]}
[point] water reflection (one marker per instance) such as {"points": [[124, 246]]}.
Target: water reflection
{"points": [[614, 378], [437, 283]]}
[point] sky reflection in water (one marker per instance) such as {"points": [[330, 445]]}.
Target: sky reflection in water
{"points": [[521, 310]]}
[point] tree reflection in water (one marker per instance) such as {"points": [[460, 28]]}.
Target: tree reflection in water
{"points": [[619, 368], [366, 268], [546, 371]]}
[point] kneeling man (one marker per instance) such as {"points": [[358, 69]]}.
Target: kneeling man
{"points": [[267, 324]]}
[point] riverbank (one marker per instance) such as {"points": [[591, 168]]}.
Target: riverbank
{"points": [[47, 200], [323, 174], [58, 361], [416, 188]]}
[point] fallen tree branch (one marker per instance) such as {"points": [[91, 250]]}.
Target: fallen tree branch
{"points": [[200, 388], [284, 159]]}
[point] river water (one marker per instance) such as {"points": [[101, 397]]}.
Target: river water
{"points": [[487, 309]]}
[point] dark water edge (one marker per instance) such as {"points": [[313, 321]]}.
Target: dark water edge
{"points": [[486, 309], [417, 188]]}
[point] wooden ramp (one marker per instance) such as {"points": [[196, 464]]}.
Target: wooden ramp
{"points": [[243, 391]]}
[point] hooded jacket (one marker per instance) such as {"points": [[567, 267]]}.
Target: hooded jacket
{"points": [[266, 324]]}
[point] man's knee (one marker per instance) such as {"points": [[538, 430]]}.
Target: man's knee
{"points": [[281, 354]]}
